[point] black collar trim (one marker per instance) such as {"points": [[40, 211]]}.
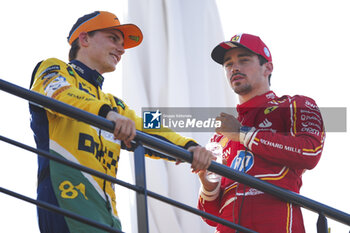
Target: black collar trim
{"points": [[92, 76]]}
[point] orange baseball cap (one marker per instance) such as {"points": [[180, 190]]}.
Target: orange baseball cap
{"points": [[99, 20]]}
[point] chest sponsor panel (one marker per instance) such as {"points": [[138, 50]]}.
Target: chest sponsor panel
{"points": [[243, 161], [102, 153]]}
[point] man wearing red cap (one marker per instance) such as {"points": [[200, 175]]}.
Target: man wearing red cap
{"points": [[273, 138], [98, 41]]}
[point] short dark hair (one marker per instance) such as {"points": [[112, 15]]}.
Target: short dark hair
{"points": [[262, 61], [73, 52]]}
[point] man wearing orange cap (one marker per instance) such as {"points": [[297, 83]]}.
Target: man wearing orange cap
{"points": [[274, 139], [98, 41]]}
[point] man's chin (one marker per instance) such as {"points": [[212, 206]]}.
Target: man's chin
{"points": [[242, 89], [111, 69]]}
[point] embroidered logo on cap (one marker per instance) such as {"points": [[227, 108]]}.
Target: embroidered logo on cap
{"points": [[266, 51], [134, 38], [235, 38]]}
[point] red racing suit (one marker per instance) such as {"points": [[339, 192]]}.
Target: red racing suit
{"points": [[286, 138]]}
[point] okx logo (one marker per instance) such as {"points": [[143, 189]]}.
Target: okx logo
{"points": [[152, 119], [243, 161]]}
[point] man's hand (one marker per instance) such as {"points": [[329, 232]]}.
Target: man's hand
{"points": [[229, 126], [201, 158], [124, 129], [207, 185]]}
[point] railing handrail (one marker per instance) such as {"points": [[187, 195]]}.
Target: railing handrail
{"points": [[59, 210], [178, 152], [114, 180]]}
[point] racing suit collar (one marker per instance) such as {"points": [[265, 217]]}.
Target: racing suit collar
{"points": [[257, 101], [92, 76]]}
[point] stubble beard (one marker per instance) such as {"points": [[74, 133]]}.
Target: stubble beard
{"points": [[242, 89]]}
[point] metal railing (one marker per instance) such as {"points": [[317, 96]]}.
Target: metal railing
{"points": [[145, 140]]}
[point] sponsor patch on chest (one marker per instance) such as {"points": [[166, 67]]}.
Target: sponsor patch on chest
{"points": [[243, 161]]}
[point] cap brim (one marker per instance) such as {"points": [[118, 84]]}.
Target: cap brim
{"points": [[219, 51], [132, 35]]}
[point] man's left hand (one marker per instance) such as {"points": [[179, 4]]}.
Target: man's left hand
{"points": [[229, 126]]}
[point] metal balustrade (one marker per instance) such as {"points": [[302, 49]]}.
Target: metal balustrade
{"points": [[144, 140]]}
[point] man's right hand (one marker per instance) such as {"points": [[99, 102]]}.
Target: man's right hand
{"points": [[124, 129], [207, 185]]}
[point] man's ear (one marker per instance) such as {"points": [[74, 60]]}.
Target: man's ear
{"points": [[83, 39], [269, 68]]}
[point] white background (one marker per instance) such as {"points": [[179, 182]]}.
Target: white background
{"points": [[309, 42]]}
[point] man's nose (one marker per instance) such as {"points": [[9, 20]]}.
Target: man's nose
{"points": [[120, 49], [235, 68]]}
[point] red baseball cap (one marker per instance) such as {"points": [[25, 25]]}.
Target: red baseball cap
{"points": [[250, 42], [99, 20]]}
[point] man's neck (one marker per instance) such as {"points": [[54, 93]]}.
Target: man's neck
{"points": [[86, 61], [246, 97]]}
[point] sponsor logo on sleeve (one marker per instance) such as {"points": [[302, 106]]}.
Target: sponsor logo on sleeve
{"points": [[308, 123], [55, 85], [316, 113], [310, 130], [121, 104], [47, 78], [308, 118], [50, 69], [49, 75], [311, 106], [280, 146]]}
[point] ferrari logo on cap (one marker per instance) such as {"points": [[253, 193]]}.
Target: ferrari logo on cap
{"points": [[235, 38]]}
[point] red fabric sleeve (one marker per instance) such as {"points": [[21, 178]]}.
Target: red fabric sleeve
{"points": [[301, 146]]}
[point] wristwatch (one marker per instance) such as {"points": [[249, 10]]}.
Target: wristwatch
{"points": [[243, 131]]}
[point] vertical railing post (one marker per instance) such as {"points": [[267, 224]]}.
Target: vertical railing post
{"points": [[322, 226], [140, 181]]}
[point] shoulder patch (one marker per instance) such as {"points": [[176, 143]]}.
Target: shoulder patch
{"points": [[56, 84], [50, 69], [119, 103]]}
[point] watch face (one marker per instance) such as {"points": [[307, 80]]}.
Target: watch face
{"points": [[245, 129]]}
